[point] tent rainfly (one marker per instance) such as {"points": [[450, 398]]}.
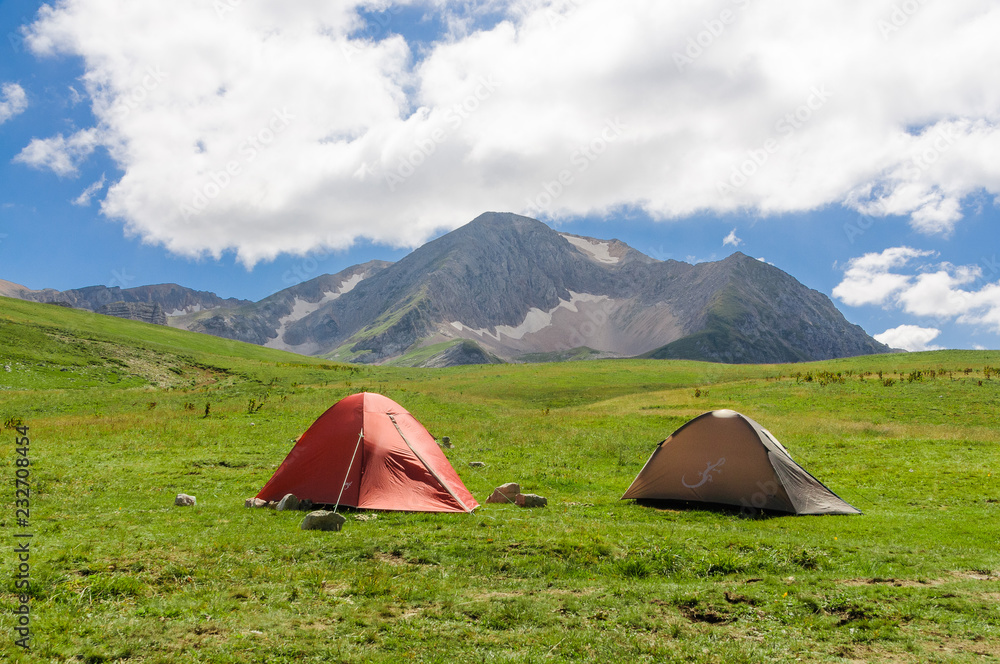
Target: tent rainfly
{"points": [[726, 458], [367, 451]]}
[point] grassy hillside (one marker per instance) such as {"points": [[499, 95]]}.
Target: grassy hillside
{"points": [[116, 412]]}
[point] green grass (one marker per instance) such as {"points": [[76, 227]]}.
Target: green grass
{"points": [[420, 355], [121, 575]]}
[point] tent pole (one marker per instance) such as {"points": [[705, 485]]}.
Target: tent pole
{"points": [[427, 465], [361, 435]]}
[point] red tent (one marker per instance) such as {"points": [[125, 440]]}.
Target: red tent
{"points": [[367, 451]]}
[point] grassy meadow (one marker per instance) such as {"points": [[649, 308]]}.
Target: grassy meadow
{"points": [[123, 416]]}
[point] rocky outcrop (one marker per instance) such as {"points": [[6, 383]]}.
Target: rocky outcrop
{"points": [[147, 312]]}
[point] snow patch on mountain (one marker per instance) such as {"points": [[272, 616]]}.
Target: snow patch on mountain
{"points": [[193, 309], [535, 320], [302, 308], [599, 251]]}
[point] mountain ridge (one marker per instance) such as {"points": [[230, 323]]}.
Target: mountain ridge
{"points": [[508, 287]]}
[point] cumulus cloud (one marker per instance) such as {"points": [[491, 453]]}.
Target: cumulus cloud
{"points": [[868, 280], [910, 337], [939, 290], [13, 101], [273, 127], [59, 154], [732, 239]]}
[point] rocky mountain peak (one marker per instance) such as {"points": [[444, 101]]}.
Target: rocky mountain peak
{"points": [[508, 287]]}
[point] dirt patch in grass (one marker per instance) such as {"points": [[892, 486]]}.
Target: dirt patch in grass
{"points": [[975, 575], [736, 598], [696, 613], [391, 558], [948, 646], [898, 583]]}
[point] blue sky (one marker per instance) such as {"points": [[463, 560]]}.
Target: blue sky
{"points": [[242, 148]]}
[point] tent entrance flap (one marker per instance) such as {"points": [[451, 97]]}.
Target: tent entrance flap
{"points": [[430, 469], [361, 434]]}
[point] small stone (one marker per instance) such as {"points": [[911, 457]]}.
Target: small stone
{"points": [[446, 442], [499, 497], [476, 464], [306, 505], [184, 500], [254, 502], [323, 520], [288, 503], [505, 493], [531, 500]]}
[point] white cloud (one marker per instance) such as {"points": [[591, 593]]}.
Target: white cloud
{"points": [[13, 101], [83, 199], [868, 280], [732, 239], [565, 108], [910, 337], [943, 291], [59, 154]]}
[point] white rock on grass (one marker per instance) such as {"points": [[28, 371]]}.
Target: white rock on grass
{"points": [[505, 493], [254, 502], [323, 520], [185, 500]]}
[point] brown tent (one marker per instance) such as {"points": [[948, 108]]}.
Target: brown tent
{"points": [[726, 458]]}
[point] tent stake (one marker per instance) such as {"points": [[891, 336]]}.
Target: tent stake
{"points": [[361, 435]]}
